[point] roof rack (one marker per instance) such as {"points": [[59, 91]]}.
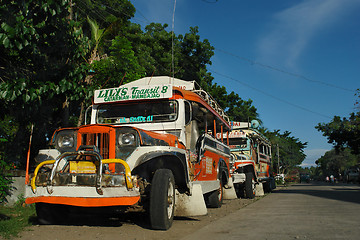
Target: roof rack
{"points": [[211, 101]]}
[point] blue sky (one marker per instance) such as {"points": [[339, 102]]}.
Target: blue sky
{"points": [[299, 61]]}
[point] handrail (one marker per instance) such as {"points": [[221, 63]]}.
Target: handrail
{"points": [[212, 102]]}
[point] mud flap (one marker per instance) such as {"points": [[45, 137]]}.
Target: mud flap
{"points": [[229, 190], [259, 190], [194, 205]]}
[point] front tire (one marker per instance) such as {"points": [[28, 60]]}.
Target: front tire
{"points": [[250, 185], [267, 186], [239, 190], [49, 214], [162, 199]]}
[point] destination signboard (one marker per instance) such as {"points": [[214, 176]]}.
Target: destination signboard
{"points": [[125, 93]]}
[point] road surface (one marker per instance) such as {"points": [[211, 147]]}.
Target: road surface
{"points": [[302, 211]]}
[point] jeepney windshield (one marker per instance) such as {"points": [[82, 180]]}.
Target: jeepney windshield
{"points": [[138, 112], [241, 143]]}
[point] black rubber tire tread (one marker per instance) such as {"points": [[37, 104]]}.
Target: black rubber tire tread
{"points": [[158, 210], [267, 187], [49, 214], [249, 191], [239, 190], [213, 200]]}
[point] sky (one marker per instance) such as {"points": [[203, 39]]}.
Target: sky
{"points": [[298, 61]]}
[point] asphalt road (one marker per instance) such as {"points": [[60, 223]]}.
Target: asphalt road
{"points": [[302, 211]]}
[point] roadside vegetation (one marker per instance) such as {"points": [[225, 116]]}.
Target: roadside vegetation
{"points": [[14, 219], [344, 134]]}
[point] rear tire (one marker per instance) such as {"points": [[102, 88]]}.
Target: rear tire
{"points": [[250, 185], [162, 199], [214, 199]]}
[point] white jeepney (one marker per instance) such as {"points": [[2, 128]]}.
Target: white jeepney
{"points": [[149, 143]]}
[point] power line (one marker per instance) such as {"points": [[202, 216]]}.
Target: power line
{"points": [[207, 1], [269, 95], [252, 62]]}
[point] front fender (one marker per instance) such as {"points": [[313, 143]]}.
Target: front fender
{"points": [[164, 158]]}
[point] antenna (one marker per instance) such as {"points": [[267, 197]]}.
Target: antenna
{"points": [[172, 42]]}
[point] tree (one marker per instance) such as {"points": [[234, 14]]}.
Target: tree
{"points": [[120, 64], [104, 12], [188, 60], [240, 110], [291, 150], [344, 133], [334, 162], [41, 68]]}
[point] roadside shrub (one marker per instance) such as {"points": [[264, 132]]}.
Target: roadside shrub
{"points": [[292, 179], [5, 180]]}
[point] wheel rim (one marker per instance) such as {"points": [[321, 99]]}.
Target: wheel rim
{"points": [[170, 199], [220, 192]]}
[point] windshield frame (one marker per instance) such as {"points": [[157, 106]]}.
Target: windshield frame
{"points": [[140, 108], [240, 146]]}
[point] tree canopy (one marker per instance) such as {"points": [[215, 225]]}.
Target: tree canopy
{"points": [[291, 150], [336, 162], [41, 68], [343, 132]]}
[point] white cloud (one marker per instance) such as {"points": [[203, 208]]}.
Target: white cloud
{"points": [[312, 155], [292, 29]]}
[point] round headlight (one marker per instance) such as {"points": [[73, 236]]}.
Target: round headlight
{"points": [[66, 141], [127, 139]]}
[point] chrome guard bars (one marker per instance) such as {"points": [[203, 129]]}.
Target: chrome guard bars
{"points": [[98, 158]]}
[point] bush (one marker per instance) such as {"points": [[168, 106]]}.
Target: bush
{"points": [[292, 179], [5, 180]]}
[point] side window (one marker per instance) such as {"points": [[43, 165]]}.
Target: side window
{"points": [[88, 115], [187, 113]]}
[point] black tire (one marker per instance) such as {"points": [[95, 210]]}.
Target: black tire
{"points": [[239, 190], [49, 214], [267, 187], [162, 199], [214, 199], [249, 185]]}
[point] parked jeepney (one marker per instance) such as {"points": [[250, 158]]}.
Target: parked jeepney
{"points": [[149, 143], [251, 159]]}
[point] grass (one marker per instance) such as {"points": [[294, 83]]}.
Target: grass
{"points": [[14, 219]]}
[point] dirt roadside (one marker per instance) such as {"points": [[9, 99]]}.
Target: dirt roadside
{"points": [[128, 226]]}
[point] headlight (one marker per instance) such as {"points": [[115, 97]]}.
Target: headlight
{"points": [[65, 141], [127, 139]]}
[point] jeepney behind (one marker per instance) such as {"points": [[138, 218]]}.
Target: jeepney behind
{"points": [[251, 159]]}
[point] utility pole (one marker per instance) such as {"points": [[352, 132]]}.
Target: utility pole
{"points": [[277, 146]]}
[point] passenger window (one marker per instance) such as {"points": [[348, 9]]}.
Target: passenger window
{"points": [[187, 113]]}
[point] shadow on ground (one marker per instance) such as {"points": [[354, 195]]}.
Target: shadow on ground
{"points": [[80, 217], [337, 191]]}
